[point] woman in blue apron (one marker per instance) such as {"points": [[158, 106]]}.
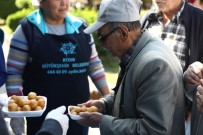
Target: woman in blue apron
{"points": [[58, 59]]}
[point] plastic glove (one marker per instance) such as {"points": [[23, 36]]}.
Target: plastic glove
{"points": [[58, 115], [3, 102], [18, 125]]}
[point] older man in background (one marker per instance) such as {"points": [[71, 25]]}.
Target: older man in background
{"points": [[179, 25]]}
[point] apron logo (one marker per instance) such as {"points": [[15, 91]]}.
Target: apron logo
{"points": [[68, 48]]}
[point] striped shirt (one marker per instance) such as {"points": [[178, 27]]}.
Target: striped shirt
{"points": [[173, 33]]}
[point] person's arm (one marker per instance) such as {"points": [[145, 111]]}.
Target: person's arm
{"points": [[97, 72], [50, 127], [157, 93], [3, 126], [56, 123], [192, 77], [17, 59]]}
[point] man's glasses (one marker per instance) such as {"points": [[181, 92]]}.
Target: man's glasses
{"points": [[102, 38]]}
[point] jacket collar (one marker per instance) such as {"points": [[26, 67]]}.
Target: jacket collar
{"points": [[72, 23], [144, 39]]}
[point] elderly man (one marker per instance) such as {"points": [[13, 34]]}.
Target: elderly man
{"points": [[149, 83]]}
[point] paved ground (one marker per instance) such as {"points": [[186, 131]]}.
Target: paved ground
{"points": [[111, 78]]}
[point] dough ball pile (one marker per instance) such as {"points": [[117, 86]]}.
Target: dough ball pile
{"points": [[33, 102], [75, 110]]}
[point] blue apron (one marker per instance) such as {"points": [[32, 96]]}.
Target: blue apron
{"points": [[57, 69]]}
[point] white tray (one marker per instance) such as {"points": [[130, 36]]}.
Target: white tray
{"points": [[24, 113], [73, 117]]}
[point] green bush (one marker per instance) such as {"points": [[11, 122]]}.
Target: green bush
{"points": [[88, 14], [23, 3], [13, 20], [7, 7]]}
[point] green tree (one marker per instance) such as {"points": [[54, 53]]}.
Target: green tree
{"points": [[7, 7]]}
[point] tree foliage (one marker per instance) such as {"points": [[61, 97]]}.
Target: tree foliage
{"points": [[7, 7], [23, 3]]}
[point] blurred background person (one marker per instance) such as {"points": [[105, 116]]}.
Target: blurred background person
{"points": [[52, 56], [193, 78], [179, 25]]}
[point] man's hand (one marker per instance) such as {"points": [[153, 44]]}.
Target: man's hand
{"points": [[90, 119], [194, 73]]}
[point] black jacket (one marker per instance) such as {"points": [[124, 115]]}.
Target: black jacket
{"points": [[50, 127], [3, 127]]}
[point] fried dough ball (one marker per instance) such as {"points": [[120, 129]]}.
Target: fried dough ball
{"points": [[26, 108], [32, 95], [71, 108], [38, 108], [12, 107], [94, 109], [41, 102], [78, 109], [74, 113], [19, 109], [21, 102], [15, 98], [33, 103], [94, 94], [39, 97], [11, 101], [83, 108], [75, 110]]}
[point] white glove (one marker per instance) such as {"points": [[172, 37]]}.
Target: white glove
{"points": [[18, 125], [58, 115], [3, 101]]}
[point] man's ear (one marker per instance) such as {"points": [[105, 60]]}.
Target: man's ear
{"points": [[123, 31]]}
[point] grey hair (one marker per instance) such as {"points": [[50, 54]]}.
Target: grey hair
{"points": [[129, 25]]}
